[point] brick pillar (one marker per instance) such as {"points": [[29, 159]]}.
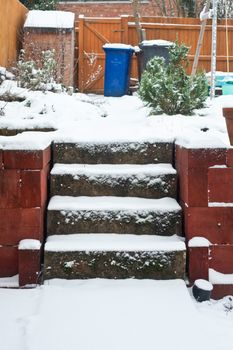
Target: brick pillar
{"points": [[23, 193], [206, 195], [29, 262], [198, 260]]}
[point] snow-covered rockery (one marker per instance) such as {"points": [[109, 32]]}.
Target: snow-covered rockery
{"points": [[5, 75]]}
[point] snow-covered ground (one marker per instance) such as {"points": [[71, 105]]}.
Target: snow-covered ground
{"points": [[104, 314], [92, 118]]}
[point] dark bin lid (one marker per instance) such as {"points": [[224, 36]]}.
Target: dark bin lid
{"points": [[156, 43]]}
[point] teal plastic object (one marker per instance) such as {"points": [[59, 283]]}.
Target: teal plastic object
{"points": [[227, 88], [219, 80]]}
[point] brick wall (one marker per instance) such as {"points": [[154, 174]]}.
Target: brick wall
{"points": [[114, 9], [62, 41], [23, 193], [206, 197]]}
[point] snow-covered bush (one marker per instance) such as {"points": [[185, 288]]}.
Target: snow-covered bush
{"points": [[6, 94], [167, 88], [37, 75], [40, 4], [5, 75]]}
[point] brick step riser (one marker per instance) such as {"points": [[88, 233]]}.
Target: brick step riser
{"points": [[150, 265], [69, 222], [115, 153], [152, 187]]}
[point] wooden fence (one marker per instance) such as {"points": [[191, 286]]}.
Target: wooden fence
{"points": [[12, 14], [93, 33]]}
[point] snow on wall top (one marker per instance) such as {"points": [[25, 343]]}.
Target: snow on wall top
{"points": [[26, 141], [49, 19], [29, 244], [199, 139], [198, 242], [216, 277], [220, 204]]}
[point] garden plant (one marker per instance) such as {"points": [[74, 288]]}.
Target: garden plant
{"points": [[167, 88]]}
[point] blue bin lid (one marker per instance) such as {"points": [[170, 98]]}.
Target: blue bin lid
{"points": [[118, 46]]}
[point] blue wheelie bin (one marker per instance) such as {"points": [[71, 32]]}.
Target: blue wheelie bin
{"points": [[117, 69]]}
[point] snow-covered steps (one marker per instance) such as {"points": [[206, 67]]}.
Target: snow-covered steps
{"points": [[113, 214], [149, 181], [114, 256], [144, 152]]}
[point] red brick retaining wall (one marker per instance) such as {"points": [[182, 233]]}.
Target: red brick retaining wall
{"points": [[23, 193], [205, 177]]}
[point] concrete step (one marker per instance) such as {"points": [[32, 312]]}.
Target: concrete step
{"points": [[113, 214], [149, 181], [114, 256], [141, 152]]}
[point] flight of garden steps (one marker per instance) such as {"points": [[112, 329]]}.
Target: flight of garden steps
{"points": [[113, 212]]}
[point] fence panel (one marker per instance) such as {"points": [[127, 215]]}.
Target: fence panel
{"points": [[12, 14], [94, 32]]}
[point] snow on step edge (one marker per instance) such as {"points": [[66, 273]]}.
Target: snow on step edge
{"points": [[108, 203], [113, 242], [110, 137], [112, 169]]}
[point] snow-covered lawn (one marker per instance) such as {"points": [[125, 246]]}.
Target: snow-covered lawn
{"points": [[105, 314], [92, 118]]}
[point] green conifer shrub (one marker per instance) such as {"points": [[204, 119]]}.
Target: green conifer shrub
{"points": [[167, 88]]}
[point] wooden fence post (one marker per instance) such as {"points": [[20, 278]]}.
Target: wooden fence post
{"points": [[11, 23], [124, 29], [81, 53]]}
